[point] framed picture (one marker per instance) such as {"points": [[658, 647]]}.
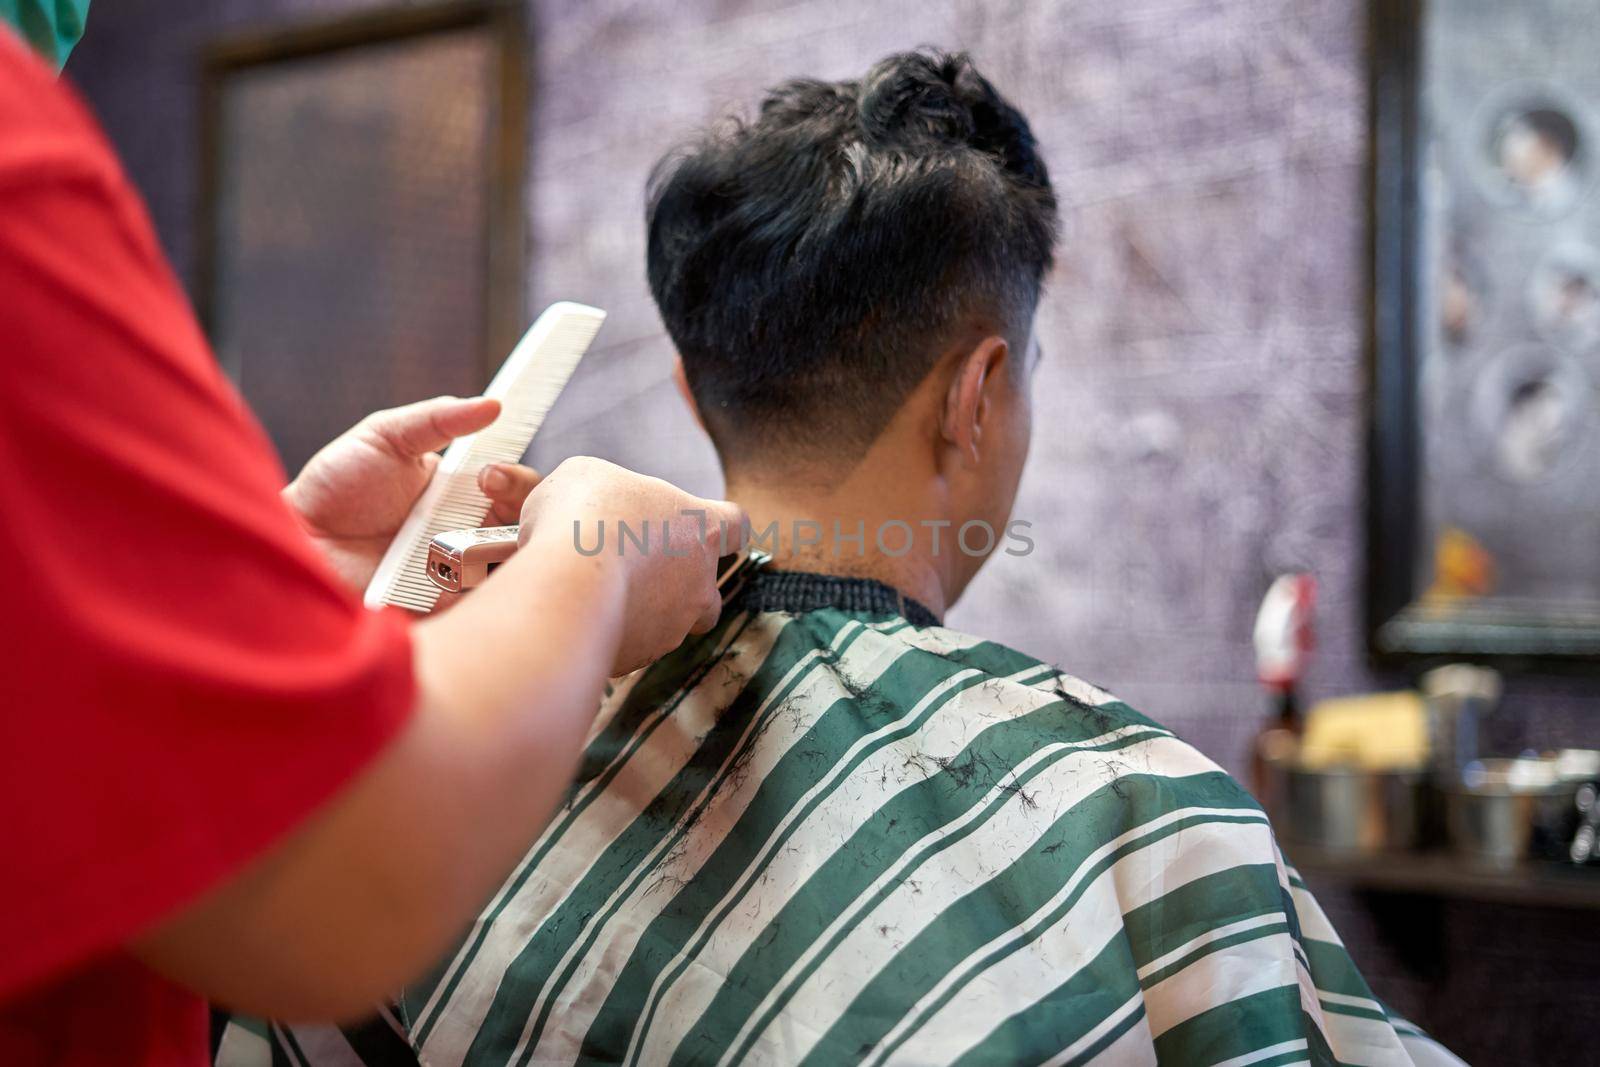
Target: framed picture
{"points": [[361, 229], [1484, 510]]}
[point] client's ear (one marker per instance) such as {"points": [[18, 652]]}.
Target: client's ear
{"points": [[969, 403], [681, 380]]}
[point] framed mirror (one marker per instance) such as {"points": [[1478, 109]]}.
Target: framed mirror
{"points": [[361, 221], [1484, 508]]}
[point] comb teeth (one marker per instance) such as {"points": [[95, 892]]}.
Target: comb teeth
{"points": [[526, 385]]}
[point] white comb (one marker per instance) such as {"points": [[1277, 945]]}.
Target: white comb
{"points": [[526, 385]]}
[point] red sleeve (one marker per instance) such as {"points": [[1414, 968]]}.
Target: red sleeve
{"points": [[184, 680]]}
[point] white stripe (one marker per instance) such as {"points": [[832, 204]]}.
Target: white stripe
{"points": [[933, 639], [1226, 930], [1228, 974], [1063, 947], [1314, 924], [718, 945], [240, 1047], [819, 690], [1042, 915], [1082, 691], [944, 642], [947, 877], [1297, 1045], [1365, 1042]]}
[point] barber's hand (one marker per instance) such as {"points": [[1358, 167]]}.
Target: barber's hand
{"points": [[354, 494], [669, 594]]}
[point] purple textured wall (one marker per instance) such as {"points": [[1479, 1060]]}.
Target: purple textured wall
{"points": [[1201, 402], [1201, 387], [1200, 409]]}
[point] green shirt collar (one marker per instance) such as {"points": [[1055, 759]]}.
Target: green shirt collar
{"points": [[52, 27]]}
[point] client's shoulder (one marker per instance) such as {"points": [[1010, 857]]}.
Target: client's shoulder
{"points": [[1029, 681], [1061, 709]]}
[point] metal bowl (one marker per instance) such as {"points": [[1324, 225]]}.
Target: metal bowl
{"points": [[1344, 809], [1493, 812]]}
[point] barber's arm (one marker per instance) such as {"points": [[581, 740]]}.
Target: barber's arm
{"points": [[216, 759], [371, 890]]}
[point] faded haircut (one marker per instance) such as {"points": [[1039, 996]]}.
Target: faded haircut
{"points": [[812, 264]]}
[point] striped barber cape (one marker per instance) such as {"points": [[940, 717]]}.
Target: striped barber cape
{"points": [[830, 832]]}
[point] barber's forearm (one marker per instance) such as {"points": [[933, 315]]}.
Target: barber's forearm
{"points": [[509, 683], [376, 887], [544, 608], [511, 680]]}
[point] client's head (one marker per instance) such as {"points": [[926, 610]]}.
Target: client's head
{"points": [[850, 280]]}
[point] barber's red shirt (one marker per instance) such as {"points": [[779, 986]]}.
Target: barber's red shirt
{"points": [[182, 679]]}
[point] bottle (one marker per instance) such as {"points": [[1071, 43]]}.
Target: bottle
{"points": [[1283, 643]]}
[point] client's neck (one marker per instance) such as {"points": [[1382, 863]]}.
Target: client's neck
{"points": [[895, 518]]}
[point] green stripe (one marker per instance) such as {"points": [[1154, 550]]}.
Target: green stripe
{"points": [[1063, 1016], [1236, 1028], [903, 820], [1333, 971], [1012, 901], [1292, 910], [829, 894], [986, 656], [624, 860], [1159, 926], [663, 687]]}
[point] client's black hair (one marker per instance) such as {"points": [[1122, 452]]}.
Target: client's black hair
{"points": [[811, 265]]}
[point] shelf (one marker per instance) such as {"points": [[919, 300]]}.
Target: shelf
{"points": [[1534, 884]]}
